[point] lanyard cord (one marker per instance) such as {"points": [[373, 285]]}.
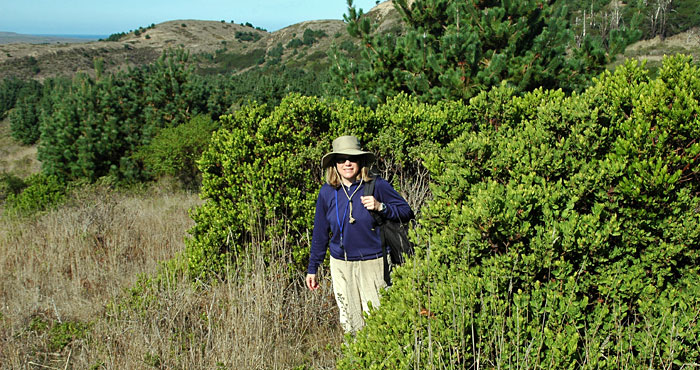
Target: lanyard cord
{"points": [[349, 206], [349, 196], [337, 217]]}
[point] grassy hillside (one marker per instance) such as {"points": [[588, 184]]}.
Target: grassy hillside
{"points": [[221, 47], [655, 49]]}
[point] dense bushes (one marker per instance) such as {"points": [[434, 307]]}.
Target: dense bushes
{"points": [[259, 179], [564, 233], [266, 85], [261, 172], [452, 50], [34, 104], [174, 150], [9, 92], [247, 36]]}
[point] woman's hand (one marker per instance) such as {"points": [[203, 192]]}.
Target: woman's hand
{"points": [[371, 203], [311, 282]]}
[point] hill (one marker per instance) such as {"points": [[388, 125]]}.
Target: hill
{"points": [[219, 46]]}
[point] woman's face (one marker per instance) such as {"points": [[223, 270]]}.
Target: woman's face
{"points": [[348, 167]]}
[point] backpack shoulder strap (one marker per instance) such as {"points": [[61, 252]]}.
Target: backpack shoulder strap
{"points": [[369, 188], [378, 221]]}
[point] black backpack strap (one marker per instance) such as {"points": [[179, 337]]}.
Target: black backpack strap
{"points": [[378, 221], [369, 190]]}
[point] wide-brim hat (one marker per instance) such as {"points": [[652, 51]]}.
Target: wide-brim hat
{"points": [[346, 145]]}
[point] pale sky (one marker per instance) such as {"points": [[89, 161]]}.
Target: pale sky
{"points": [[105, 17]]}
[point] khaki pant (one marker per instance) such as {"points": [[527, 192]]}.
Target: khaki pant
{"points": [[355, 283]]}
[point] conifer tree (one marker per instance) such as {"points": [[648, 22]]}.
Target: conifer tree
{"points": [[24, 119], [94, 127], [454, 49]]}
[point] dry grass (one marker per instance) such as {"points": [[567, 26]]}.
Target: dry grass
{"points": [[654, 50], [81, 263], [15, 158]]}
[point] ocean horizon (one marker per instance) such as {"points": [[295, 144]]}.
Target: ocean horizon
{"points": [[71, 36]]}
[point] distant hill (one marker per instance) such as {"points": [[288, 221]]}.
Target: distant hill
{"points": [[218, 46], [15, 38]]}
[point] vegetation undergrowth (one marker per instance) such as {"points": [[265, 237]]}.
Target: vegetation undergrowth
{"points": [[563, 233]]}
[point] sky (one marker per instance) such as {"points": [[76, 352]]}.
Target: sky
{"points": [[105, 17]]}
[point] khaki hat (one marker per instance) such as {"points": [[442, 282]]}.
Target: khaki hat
{"points": [[346, 145]]}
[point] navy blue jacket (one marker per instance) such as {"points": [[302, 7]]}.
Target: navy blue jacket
{"points": [[360, 240]]}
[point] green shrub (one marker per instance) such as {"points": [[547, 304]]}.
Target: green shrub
{"points": [[41, 193], [276, 52], [115, 36], [10, 91], [174, 151], [310, 36], [294, 43], [560, 225], [348, 46], [24, 119], [259, 182], [10, 184], [64, 333], [477, 320], [235, 61], [247, 36]]}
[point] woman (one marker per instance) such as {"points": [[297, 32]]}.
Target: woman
{"points": [[343, 222]]}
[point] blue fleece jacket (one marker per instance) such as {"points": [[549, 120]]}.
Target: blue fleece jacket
{"points": [[360, 240]]}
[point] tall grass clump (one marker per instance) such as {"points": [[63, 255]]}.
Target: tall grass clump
{"points": [[59, 267], [563, 233], [98, 282], [257, 316]]}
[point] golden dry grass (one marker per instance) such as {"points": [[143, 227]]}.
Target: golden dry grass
{"points": [[89, 262], [17, 159]]}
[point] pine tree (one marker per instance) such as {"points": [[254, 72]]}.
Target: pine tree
{"points": [[94, 127], [454, 49]]}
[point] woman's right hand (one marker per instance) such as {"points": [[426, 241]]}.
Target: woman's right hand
{"points": [[311, 282]]}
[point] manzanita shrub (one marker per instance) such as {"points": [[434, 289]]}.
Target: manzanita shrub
{"points": [[564, 232], [258, 180]]}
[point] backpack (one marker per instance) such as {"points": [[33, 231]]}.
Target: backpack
{"points": [[394, 236]]}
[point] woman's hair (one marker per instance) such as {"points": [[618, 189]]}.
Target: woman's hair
{"points": [[333, 179]]}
